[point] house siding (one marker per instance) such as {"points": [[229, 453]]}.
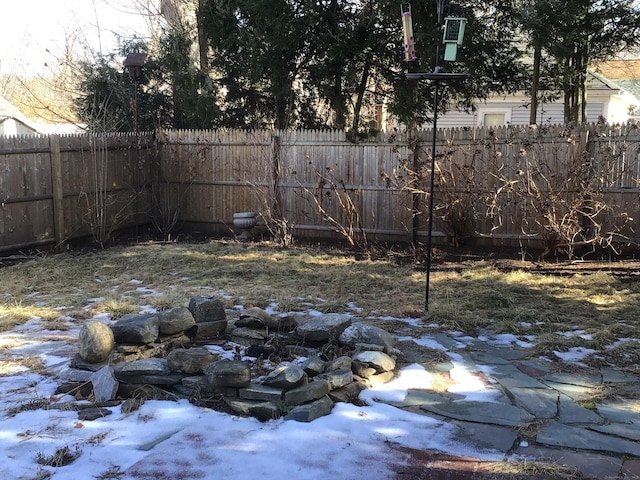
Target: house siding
{"points": [[517, 113]]}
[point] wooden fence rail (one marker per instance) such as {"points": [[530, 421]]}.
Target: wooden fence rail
{"points": [[53, 189]]}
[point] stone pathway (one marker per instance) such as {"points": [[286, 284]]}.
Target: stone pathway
{"points": [[534, 413]]}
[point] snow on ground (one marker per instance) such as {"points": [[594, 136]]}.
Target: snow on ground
{"points": [[173, 440]]}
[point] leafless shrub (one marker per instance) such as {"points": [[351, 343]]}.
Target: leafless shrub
{"points": [[337, 204], [552, 188]]}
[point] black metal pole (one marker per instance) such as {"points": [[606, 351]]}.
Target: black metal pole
{"points": [[436, 76], [436, 70], [431, 188]]}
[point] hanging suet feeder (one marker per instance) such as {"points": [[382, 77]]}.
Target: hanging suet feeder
{"points": [[407, 28]]}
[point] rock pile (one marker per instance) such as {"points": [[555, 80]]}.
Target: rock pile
{"points": [[197, 352]]}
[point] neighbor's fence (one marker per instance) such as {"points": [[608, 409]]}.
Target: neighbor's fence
{"points": [[56, 188]]}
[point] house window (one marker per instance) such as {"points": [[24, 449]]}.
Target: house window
{"points": [[494, 117]]}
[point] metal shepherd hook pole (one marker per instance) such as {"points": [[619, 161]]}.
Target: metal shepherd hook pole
{"points": [[453, 34]]}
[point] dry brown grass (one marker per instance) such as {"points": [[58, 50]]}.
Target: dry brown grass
{"points": [[470, 298]]}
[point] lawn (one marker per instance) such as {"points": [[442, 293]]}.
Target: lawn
{"points": [[567, 308]]}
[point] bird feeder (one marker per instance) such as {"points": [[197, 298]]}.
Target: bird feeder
{"points": [[133, 63], [452, 37], [409, 43]]}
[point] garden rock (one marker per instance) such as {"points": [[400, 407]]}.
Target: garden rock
{"points": [[285, 377], [210, 330], [311, 411], [323, 328], [228, 373], [314, 365], [336, 379], [261, 392], [146, 366], [347, 393], [89, 414], [340, 363], [190, 360], [207, 309], [175, 320], [95, 342], [195, 385], [359, 333], [105, 384], [379, 361], [136, 329], [307, 393], [254, 317]]}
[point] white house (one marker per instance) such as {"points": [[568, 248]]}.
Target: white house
{"points": [[13, 121], [612, 100]]}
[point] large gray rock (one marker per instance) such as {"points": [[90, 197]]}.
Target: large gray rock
{"points": [[210, 330], [368, 334], [175, 320], [105, 384], [190, 360], [256, 317], [311, 411], [95, 342], [348, 393], [261, 392], [207, 309], [336, 378], [146, 366], [340, 363], [323, 328], [136, 329], [379, 361], [253, 318], [196, 385], [285, 377], [314, 365], [307, 393], [228, 373]]}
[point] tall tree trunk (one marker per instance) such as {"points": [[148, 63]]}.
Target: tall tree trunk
{"points": [[203, 43], [535, 84], [362, 87], [337, 103]]}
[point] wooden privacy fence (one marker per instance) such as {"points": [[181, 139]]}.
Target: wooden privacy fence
{"points": [[56, 188]]}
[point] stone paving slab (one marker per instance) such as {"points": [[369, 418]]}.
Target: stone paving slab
{"points": [[612, 375], [418, 397], [576, 392], [496, 356], [591, 465], [509, 376], [490, 413], [623, 411], [582, 379], [570, 412], [626, 430], [485, 437], [559, 435], [543, 403]]}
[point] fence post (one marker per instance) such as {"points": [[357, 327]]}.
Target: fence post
{"points": [[57, 190], [275, 185], [413, 143]]}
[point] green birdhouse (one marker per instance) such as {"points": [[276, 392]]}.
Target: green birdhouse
{"points": [[453, 35]]}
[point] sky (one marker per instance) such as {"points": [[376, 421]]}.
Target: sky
{"points": [[34, 33]]}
